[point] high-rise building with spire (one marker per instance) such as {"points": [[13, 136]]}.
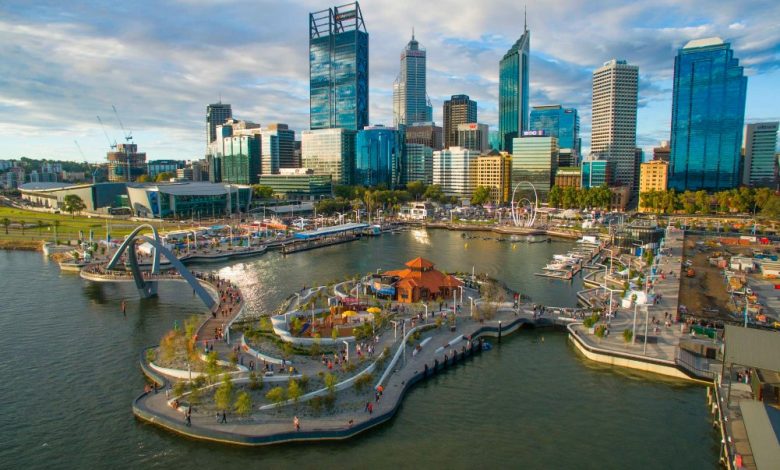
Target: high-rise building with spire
{"points": [[513, 77], [410, 100]]}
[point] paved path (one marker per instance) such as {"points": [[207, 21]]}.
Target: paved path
{"points": [[667, 337]]}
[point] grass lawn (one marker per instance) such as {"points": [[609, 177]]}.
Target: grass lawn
{"points": [[67, 230]]}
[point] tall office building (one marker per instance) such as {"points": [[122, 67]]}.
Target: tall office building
{"points": [[418, 163], [216, 114], [410, 101], [494, 171], [240, 159], [278, 148], [563, 124], [760, 159], [454, 170], [378, 157], [459, 109], [425, 133], [708, 112], [338, 68], [329, 152], [613, 132], [535, 160], [513, 78], [473, 136]]}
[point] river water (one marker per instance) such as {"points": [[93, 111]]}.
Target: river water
{"points": [[70, 371]]}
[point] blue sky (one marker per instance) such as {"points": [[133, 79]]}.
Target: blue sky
{"points": [[160, 62]]}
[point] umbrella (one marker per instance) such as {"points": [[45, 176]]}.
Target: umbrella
{"points": [[374, 310], [348, 313]]}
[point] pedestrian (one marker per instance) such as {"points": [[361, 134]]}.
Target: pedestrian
{"points": [[224, 417], [188, 417], [370, 408], [297, 423], [367, 404]]}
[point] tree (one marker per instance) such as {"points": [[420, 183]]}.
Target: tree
{"points": [[212, 368], [164, 176], [73, 203], [481, 195], [555, 196], [293, 391], [434, 193], [260, 191], [143, 179], [243, 405], [6, 222], [771, 208], [224, 394], [416, 189]]}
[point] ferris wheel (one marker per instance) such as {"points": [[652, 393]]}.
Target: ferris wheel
{"points": [[524, 210]]}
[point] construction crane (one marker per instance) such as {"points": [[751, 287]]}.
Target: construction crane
{"points": [[95, 170], [110, 144], [128, 134]]}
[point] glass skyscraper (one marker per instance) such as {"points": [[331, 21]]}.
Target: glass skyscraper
{"points": [[760, 157], [338, 68], [329, 152], [535, 160], [410, 101], [557, 121], [378, 157], [708, 112], [513, 91]]}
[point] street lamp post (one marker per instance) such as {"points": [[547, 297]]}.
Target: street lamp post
{"points": [[647, 312], [633, 328], [426, 309]]}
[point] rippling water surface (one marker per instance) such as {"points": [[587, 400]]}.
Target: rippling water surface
{"points": [[69, 373]]}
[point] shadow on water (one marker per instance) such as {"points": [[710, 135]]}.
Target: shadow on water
{"points": [[95, 291]]}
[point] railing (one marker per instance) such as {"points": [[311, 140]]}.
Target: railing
{"points": [[696, 365]]}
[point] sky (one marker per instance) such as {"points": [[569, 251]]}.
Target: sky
{"points": [[161, 62]]}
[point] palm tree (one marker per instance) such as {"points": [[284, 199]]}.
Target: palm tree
{"points": [[39, 223], [6, 222], [56, 224]]}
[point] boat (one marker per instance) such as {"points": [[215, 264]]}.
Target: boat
{"points": [[72, 265]]}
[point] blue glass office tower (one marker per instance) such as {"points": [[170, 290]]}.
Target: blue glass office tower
{"points": [[513, 91], [708, 112], [560, 122], [378, 157], [338, 68]]}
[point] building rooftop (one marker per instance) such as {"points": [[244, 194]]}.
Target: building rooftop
{"points": [[44, 186], [713, 41], [186, 188]]}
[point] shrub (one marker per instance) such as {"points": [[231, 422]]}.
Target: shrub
{"points": [[151, 354], [628, 335], [303, 382], [255, 381], [330, 382], [591, 320], [195, 396], [243, 404], [276, 395], [224, 393], [601, 331], [294, 391], [179, 388], [363, 381]]}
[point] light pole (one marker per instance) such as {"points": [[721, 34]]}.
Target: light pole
{"points": [[425, 306], [346, 344], [644, 349], [633, 328]]}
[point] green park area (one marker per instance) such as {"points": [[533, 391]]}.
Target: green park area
{"points": [[25, 229]]}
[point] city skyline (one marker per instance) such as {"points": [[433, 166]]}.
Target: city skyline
{"points": [[56, 79]]}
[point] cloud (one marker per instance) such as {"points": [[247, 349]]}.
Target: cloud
{"points": [[161, 63]]}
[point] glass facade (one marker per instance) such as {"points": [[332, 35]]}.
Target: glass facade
{"points": [[338, 68], [560, 122], [299, 186], [454, 169], [513, 91], [708, 112], [410, 104], [378, 157], [155, 167], [760, 157], [418, 163], [459, 109], [535, 160], [240, 163], [596, 173], [329, 152]]}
